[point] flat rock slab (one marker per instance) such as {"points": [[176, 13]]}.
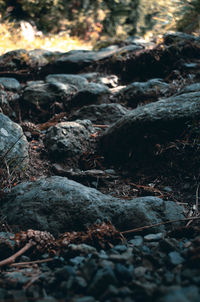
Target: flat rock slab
{"points": [[57, 204], [138, 131]]}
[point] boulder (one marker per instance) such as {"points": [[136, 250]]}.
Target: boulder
{"points": [[13, 143], [100, 114], [68, 140], [136, 134], [57, 204]]}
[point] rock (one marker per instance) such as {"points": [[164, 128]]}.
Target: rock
{"points": [[175, 258], [57, 205], [190, 88], [124, 273], [140, 130], [16, 279], [68, 140], [21, 58], [92, 93], [138, 92], [100, 114], [75, 60], [178, 294], [137, 241], [6, 100], [110, 80], [39, 97], [153, 237], [103, 278], [175, 37], [13, 144], [10, 83], [41, 94], [78, 81]]}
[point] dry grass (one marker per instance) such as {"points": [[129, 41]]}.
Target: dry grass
{"points": [[25, 36]]}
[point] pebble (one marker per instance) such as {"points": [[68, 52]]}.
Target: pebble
{"points": [[175, 258], [153, 237]]}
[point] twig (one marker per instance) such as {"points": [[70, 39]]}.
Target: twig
{"points": [[12, 258], [101, 126], [31, 281], [32, 262], [6, 153], [158, 224]]}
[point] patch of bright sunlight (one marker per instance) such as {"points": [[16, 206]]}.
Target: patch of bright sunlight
{"points": [[25, 36]]}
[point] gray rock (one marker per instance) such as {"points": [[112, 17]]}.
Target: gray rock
{"points": [[139, 131], [21, 58], [5, 99], [100, 114], [10, 83], [178, 294], [76, 60], [68, 140], [13, 143], [175, 37], [138, 92], [153, 237], [137, 241], [175, 258], [190, 88], [43, 94], [102, 279], [92, 93], [57, 204], [70, 79]]}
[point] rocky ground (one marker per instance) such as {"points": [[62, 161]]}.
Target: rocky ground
{"points": [[100, 153]]}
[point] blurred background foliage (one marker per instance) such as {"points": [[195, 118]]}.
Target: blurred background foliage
{"points": [[91, 21]]}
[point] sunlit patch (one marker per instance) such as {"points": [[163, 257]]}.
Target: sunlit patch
{"points": [[27, 37]]}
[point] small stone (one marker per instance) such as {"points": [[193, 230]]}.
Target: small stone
{"points": [[137, 241], [103, 278], [123, 272], [168, 244], [140, 271], [167, 189], [64, 272], [153, 237], [175, 258], [169, 278], [77, 260], [120, 248]]}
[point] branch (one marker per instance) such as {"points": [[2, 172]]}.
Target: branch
{"points": [[12, 258]]}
